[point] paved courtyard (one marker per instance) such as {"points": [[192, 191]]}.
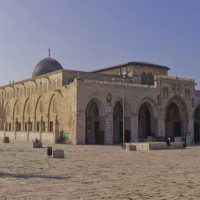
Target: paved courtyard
{"points": [[98, 172]]}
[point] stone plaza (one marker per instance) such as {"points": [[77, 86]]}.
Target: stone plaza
{"points": [[90, 172]]}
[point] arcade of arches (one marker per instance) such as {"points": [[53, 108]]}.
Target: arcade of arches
{"points": [[176, 122], [27, 118]]}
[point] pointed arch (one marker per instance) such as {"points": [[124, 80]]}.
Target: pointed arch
{"points": [[176, 117], [180, 102], [147, 119], [5, 110], [50, 102], [52, 98], [53, 117], [17, 116], [121, 121], [59, 92], [36, 105], [152, 104], [14, 107], [28, 118], [94, 121], [40, 115], [5, 107], [24, 107], [99, 101], [127, 107]]}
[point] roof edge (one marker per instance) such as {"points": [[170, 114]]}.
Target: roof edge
{"points": [[144, 64]]}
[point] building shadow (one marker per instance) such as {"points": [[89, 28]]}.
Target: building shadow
{"points": [[31, 175]]}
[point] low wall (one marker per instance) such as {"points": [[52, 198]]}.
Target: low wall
{"points": [[48, 138], [21, 136], [33, 135], [153, 146], [45, 138]]}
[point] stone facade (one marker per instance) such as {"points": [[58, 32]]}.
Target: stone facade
{"points": [[101, 107]]}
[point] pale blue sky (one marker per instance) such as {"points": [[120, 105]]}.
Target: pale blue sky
{"points": [[90, 34]]}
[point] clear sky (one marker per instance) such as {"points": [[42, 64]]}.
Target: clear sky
{"points": [[90, 34]]}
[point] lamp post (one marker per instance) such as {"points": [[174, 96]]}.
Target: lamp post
{"points": [[123, 107]]}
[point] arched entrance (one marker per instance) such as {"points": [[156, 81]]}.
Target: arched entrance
{"points": [[28, 116], [118, 124], [176, 118], [173, 121], [17, 119], [94, 122], [197, 125], [146, 122], [40, 114]]}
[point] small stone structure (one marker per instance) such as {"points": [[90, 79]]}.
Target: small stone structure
{"points": [[6, 140], [58, 153]]}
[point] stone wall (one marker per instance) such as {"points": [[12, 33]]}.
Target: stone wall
{"points": [[45, 138]]}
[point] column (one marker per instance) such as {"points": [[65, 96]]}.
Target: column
{"points": [[41, 124], [134, 128], [28, 128], [47, 125], [13, 126], [56, 129], [79, 136], [34, 125], [5, 128], [161, 127], [190, 131], [41, 128], [108, 139]]}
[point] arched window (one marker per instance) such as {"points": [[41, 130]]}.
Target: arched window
{"points": [[150, 79], [144, 78]]}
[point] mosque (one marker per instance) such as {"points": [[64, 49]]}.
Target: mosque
{"points": [[130, 102]]}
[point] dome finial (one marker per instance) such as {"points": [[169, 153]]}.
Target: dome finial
{"points": [[49, 50]]}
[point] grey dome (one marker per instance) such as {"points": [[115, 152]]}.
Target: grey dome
{"points": [[45, 66]]}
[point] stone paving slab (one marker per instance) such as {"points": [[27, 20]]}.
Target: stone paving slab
{"points": [[98, 172]]}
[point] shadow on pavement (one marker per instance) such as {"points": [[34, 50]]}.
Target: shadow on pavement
{"points": [[27, 176]]}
